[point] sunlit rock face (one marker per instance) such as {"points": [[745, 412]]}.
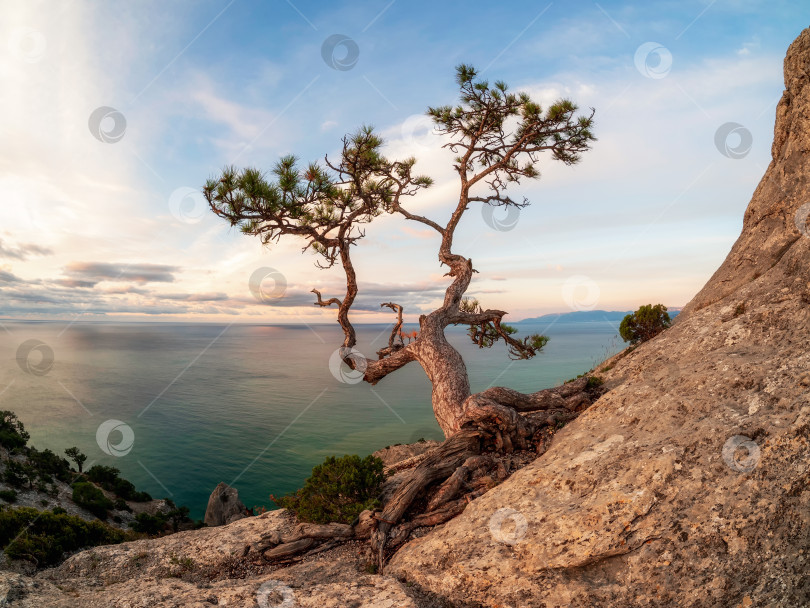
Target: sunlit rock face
{"points": [[687, 483]]}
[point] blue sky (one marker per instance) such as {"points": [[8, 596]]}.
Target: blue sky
{"points": [[117, 230]]}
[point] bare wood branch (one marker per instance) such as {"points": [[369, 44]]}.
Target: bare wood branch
{"points": [[395, 333], [328, 302]]}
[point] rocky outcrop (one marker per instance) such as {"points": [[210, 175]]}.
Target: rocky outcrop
{"points": [[687, 484], [208, 567], [224, 506], [777, 216]]}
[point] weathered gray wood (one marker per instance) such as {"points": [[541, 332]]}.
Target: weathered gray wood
{"points": [[288, 549]]}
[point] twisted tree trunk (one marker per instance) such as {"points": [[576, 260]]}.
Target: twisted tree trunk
{"points": [[447, 374], [439, 484]]}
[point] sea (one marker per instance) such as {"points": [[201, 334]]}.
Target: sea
{"points": [[180, 407]]}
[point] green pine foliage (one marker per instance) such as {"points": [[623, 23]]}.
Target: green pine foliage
{"points": [[86, 495], [146, 523], [12, 431], [108, 478], [644, 324], [43, 537], [76, 456], [153, 524], [49, 465], [486, 334], [338, 490]]}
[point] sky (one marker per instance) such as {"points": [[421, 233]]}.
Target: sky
{"points": [[113, 115]]}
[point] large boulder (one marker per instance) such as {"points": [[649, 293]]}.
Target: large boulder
{"points": [[224, 506], [688, 482]]}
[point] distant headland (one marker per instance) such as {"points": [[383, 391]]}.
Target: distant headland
{"points": [[585, 316]]}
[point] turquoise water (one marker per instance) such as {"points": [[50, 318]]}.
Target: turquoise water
{"points": [[252, 405]]}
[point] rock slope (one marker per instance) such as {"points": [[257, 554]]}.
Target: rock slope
{"points": [[687, 483], [202, 568]]}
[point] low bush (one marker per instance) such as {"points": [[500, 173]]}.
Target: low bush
{"points": [[337, 491], [148, 524], [8, 495], [43, 537], [48, 464], [19, 474], [86, 495], [102, 475], [108, 478], [644, 324], [12, 432]]}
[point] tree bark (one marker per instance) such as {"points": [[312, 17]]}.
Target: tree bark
{"points": [[447, 373]]}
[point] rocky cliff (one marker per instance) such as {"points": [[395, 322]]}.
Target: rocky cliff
{"points": [[686, 484]]}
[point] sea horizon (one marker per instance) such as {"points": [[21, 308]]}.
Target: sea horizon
{"points": [[255, 405]]}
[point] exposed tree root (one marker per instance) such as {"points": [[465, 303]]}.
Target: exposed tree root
{"points": [[442, 481]]}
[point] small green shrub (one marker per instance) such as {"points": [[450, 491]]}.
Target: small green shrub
{"points": [[337, 491], [8, 495], [19, 474], [102, 475], [12, 432], [594, 382], [49, 465], [186, 563], [76, 456], [149, 524], [108, 478], [86, 495], [178, 516], [43, 537], [644, 324]]}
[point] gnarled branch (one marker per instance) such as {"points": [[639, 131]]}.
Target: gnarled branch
{"points": [[393, 345], [328, 302]]}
